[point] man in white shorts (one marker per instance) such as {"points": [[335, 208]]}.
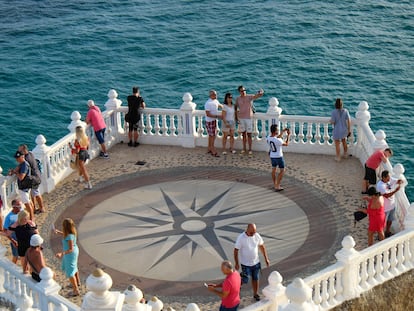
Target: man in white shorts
{"points": [[244, 116]]}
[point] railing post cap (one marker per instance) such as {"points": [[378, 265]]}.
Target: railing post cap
{"points": [[156, 304], [188, 102], [133, 295], [274, 106], [398, 169], [192, 307], [298, 291], [98, 282], [112, 94], [1, 170], [348, 250], [275, 278], [363, 106]]}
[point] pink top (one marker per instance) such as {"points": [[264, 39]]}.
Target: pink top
{"points": [[94, 117], [232, 285], [375, 159]]}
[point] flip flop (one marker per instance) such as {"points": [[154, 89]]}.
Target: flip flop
{"points": [[215, 155]]}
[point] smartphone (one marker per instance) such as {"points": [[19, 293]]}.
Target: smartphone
{"points": [[205, 284]]}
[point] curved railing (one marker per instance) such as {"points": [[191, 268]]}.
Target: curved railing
{"points": [[354, 272]]}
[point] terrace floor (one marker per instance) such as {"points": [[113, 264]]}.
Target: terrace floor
{"points": [[165, 226]]}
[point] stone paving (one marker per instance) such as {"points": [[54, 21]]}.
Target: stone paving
{"points": [[166, 225]]}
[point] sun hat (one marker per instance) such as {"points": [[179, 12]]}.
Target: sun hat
{"points": [[36, 240]]}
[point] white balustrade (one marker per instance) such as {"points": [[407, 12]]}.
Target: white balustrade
{"points": [[354, 272]]}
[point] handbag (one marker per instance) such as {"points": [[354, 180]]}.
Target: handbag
{"points": [[74, 162], [358, 215]]}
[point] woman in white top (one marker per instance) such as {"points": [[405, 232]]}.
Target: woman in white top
{"points": [[228, 122]]}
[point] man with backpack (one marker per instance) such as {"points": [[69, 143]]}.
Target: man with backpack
{"points": [[35, 171]]}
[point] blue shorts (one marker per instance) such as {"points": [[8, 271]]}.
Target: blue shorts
{"points": [[278, 162], [15, 253], [252, 271], [389, 216], [100, 135], [222, 308]]}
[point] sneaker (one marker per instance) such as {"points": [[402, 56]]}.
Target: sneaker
{"points": [[256, 297], [101, 154], [81, 179], [88, 185], [233, 151], [130, 144], [105, 156], [136, 144], [224, 152], [250, 153], [242, 152]]}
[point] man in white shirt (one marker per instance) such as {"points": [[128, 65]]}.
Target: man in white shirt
{"points": [[275, 142], [248, 244], [211, 107], [388, 186]]}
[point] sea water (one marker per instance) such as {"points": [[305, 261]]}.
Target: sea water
{"points": [[55, 55]]}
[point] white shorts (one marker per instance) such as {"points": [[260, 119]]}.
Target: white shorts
{"points": [[35, 192], [24, 196], [246, 125]]}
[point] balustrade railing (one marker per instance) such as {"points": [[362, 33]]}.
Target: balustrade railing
{"points": [[354, 272]]}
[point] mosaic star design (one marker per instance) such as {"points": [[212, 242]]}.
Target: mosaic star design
{"points": [[196, 228]]}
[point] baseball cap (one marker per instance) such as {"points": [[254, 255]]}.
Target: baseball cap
{"points": [[18, 154]]}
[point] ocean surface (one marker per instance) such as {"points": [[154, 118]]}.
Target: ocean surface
{"points": [[55, 55]]}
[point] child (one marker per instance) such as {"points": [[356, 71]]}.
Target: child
{"points": [[376, 214]]}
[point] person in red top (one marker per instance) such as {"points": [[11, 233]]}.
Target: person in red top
{"points": [[94, 118], [230, 293], [373, 162]]}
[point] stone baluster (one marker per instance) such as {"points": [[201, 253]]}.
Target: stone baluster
{"points": [[299, 295], [275, 291], [164, 127], [409, 225], [386, 264], [25, 302], [309, 134], [393, 261], [400, 259], [364, 275], [350, 275], [47, 287], [157, 126], [371, 272], [318, 135], [98, 296], [173, 129], [379, 268], [326, 133], [188, 124], [41, 153], [115, 127], [155, 304], [147, 127]]}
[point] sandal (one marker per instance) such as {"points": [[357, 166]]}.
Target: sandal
{"points": [[215, 155]]}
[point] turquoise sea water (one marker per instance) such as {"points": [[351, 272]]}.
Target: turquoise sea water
{"points": [[55, 55]]}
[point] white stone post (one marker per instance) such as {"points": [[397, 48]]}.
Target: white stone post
{"points": [[364, 133], [47, 287], [275, 291], [188, 133], [76, 121], [300, 297], [3, 192], [25, 302], [273, 112], [98, 296], [350, 275], [113, 103], [40, 153]]}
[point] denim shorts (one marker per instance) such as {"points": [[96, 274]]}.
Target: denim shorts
{"points": [[252, 271], [389, 216], [100, 136], [222, 308], [278, 162], [83, 155]]}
